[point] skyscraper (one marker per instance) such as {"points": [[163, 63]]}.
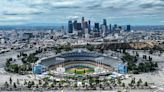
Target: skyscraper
{"points": [[70, 26], [110, 28], [75, 24], [104, 22], [82, 22], [105, 27], [79, 26], [89, 26], [82, 19], [104, 32], [115, 27], [97, 27], [85, 24], [128, 28]]}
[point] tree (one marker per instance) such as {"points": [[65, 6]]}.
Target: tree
{"points": [[6, 84], [133, 81], [156, 64], [31, 58], [8, 63], [102, 50], [84, 71], [14, 68], [29, 84], [25, 82], [52, 85], [37, 86], [18, 81], [100, 86], [150, 58], [10, 80], [138, 84], [145, 84], [32, 83], [151, 51], [144, 57], [141, 67], [130, 85], [75, 71], [14, 85], [10, 59], [140, 81], [123, 85], [124, 50], [137, 55], [40, 82], [90, 47]]}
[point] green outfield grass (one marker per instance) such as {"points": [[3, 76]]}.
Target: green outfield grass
{"points": [[80, 70]]}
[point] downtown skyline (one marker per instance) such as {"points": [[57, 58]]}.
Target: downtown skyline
{"points": [[135, 12]]}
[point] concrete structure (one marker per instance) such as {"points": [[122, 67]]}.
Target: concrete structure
{"points": [[80, 56]]}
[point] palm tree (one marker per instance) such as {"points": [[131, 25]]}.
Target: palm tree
{"points": [[10, 80], [14, 85]]}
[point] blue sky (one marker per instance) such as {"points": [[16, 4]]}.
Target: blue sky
{"points": [[135, 12]]}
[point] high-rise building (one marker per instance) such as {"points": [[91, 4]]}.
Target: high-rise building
{"points": [[86, 33], [105, 27], [110, 28], [79, 26], [97, 27], [115, 27], [85, 24], [82, 22], [70, 27], [103, 31], [104, 22], [82, 19], [128, 28], [75, 24], [89, 26]]}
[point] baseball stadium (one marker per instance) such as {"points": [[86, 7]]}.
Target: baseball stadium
{"points": [[78, 61]]}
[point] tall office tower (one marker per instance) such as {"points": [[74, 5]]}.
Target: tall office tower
{"points": [[63, 30], [103, 31], [97, 27], [115, 27], [86, 33], [70, 27], [79, 26], [104, 22], [85, 24], [82, 19], [89, 26], [106, 27], [128, 28], [110, 28], [82, 23], [75, 24]]}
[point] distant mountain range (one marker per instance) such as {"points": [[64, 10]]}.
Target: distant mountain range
{"points": [[33, 26]]}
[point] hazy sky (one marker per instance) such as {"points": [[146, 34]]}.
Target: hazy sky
{"points": [[136, 12]]}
